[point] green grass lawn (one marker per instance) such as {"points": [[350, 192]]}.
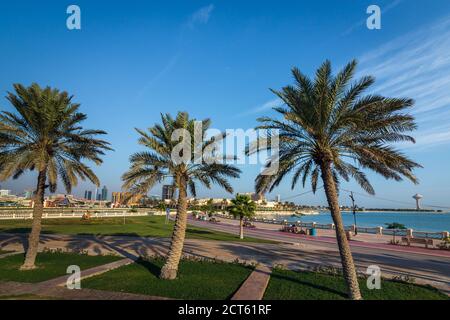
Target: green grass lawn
{"points": [[50, 265], [151, 226], [291, 285], [196, 279]]}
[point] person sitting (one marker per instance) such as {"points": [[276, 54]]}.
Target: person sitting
{"points": [[86, 216]]}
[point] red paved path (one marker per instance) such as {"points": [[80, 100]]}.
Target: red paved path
{"points": [[290, 237]]}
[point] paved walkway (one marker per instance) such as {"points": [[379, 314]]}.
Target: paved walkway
{"points": [[62, 281], [304, 255], [62, 293], [271, 232], [10, 254], [56, 288], [255, 286]]}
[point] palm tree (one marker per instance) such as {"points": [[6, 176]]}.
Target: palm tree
{"points": [[328, 121], [243, 207], [151, 167], [223, 204], [45, 135]]}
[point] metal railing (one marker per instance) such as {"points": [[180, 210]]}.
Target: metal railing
{"points": [[428, 235], [368, 230]]}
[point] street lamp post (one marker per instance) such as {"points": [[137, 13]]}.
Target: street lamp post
{"points": [[354, 212]]}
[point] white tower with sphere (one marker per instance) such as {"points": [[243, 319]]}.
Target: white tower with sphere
{"points": [[417, 197]]}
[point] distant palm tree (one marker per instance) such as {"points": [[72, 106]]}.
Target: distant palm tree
{"points": [[209, 208], [149, 168], [242, 207], [328, 121], [223, 204], [46, 136]]}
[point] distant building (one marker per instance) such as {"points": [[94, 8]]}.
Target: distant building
{"points": [[4, 193], [125, 199], [62, 200], [104, 194], [278, 198], [88, 195], [254, 196], [167, 192]]}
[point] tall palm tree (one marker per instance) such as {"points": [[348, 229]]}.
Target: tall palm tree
{"points": [[243, 207], [45, 135], [151, 167], [330, 129]]}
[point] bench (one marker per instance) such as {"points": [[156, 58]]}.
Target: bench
{"points": [[410, 240]]}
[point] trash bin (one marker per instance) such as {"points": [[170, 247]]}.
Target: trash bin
{"points": [[313, 232]]}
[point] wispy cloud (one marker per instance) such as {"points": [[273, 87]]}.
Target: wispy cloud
{"points": [[384, 10], [201, 16], [160, 74], [261, 108], [417, 65]]}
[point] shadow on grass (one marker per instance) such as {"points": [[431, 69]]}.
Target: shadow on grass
{"points": [[202, 232], [17, 230], [311, 285], [124, 234], [118, 234], [150, 266], [25, 230]]}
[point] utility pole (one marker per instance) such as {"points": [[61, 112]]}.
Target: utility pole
{"points": [[354, 211]]}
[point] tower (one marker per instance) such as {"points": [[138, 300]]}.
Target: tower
{"points": [[417, 197], [104, 194]]}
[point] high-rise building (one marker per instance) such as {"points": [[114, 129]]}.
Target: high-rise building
{"points": [[95, 194], [88, 195], [167, 192], [104, 194]]}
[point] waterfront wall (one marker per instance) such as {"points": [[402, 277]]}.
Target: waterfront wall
{"points": [[374, 230]]}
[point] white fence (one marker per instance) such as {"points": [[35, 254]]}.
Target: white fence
{"points": [[24, 215]]}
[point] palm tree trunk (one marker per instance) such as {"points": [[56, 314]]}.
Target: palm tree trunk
{"points": [[241, 228], [170, 269], [348, 265], [33, 238]]}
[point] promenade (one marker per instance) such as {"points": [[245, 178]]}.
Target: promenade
{"points": [[427, 268]]}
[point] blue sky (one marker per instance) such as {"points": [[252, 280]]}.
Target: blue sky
{"points": [[134, 59]]}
